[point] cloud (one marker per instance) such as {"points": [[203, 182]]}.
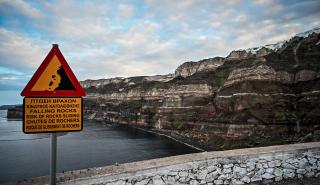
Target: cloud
{"points": [[19, 57], [76, 22], [19, 52], [102, 39], [19, 7], [125, 11], [11, 80]]}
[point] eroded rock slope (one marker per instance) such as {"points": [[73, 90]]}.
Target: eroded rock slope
{"points": [[266, 92]]}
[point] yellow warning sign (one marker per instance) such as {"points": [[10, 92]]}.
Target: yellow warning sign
{"points": [[54, 77], [52, 114]]}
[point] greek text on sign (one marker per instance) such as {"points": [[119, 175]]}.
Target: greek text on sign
{"points": [[52, 114]]}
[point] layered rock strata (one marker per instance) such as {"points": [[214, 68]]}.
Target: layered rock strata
{"points": [[266, 92]]}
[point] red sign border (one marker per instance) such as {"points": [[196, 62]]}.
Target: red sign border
{"points": [[53, 52]]}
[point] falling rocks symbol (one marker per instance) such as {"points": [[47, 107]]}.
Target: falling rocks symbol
{"points": [[65, 83]]}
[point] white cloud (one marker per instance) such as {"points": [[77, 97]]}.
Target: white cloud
{"points": [[19, 6], [125, 11], [20, 52], [74, 21], [107, 40], [141, 39]]}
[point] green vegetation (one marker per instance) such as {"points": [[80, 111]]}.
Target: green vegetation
{"points": [[179, 124]]}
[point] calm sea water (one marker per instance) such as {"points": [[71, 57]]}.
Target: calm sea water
{"points": [[27, 155]]}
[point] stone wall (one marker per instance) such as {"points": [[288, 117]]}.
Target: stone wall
{"points": [[242, 166]]}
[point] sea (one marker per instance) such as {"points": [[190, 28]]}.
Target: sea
{"points": [[24, 156]]}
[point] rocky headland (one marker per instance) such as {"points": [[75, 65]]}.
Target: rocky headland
{"points": [[6, 107], [15, 112], [254, 97]]}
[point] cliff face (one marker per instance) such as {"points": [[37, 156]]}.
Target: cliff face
{"points": [[268, 91], [189, 68], [15, 112]]}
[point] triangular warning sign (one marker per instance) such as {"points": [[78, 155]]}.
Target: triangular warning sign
{"points": [[54, 77]]}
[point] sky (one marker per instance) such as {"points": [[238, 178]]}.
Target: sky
{"points": [[104, 39]]}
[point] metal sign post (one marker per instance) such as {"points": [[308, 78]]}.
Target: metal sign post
{"points": [[53, 102], [53, 162]]}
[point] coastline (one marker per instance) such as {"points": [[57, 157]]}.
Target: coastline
{"points": [[170, 134], [176, 139], [216, 143]]}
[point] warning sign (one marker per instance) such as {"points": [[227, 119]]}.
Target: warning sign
{"points": [[53, 100], [54, 77], [60, 114]]}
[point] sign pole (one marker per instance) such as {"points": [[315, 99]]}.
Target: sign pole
{"points": [[55, 88], [53, 162]]}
